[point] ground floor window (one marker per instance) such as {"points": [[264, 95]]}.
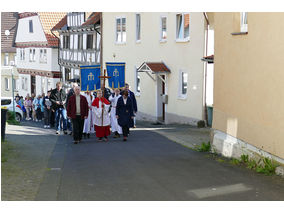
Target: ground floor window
{"points": [[7, 86], [183, 84]]}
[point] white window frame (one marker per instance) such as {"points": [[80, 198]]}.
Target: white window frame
{"points": [[32, 55], [116, 41], [244, 22], [7, 84], [161, 29], [43, 56], [136, 75], [138, 40], [6, 59], [180, 94], [182, 24]]}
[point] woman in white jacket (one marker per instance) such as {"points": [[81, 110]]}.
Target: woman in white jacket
{"points": [[89, 122], [113, 120]]}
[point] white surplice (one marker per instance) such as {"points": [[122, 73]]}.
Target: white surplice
{"points": [[98, 115], [89, 122], [114, 125]]}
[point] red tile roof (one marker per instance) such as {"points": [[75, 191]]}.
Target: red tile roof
{"points": [[27, 14], [8, 22], [60, 24], [48, 21], [93, 19], [158, 67]]}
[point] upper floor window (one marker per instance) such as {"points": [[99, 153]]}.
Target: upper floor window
{"points": [[43, 56], [138, 27], [163, 29], [66, 42], [80, 41], [32, 55], [6, 59], [182, 27], [120, 30], [90, 41], [244, 21], [31, 29], [7, 86], [22, 54]]}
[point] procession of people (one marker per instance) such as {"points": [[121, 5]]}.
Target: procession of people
{"points": [[83, 114]]}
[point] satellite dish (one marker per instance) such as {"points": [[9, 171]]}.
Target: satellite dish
{"points": [[7, 33]]}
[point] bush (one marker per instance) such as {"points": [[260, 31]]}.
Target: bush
{"points": [[205, 147], [11, 118]]}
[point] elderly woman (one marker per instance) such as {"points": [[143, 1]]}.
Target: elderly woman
{"points": [[102, 120], [124, 113]]}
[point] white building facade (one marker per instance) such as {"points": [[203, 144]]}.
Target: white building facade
{"points": [[37, 51], [162, 52]]}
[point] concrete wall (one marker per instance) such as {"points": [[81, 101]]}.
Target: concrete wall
{"points": [[177, 56], [248, 81]]}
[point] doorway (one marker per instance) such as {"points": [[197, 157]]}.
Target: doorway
{"points": [[161, 92]]}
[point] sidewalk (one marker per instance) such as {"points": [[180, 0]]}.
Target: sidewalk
{"points": [[186, 135], [30, 149]]}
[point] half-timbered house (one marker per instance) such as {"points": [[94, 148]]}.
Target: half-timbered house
{"points": [[80, 37]]}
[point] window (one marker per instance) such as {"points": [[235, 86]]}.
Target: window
{"points": [[32, 55], [183, 84], [80, 42], [67, 74], [43, 56], [66, 42], [24, 83], [7, 86], [120, 30], [6, 59], [137, 80], [244, 21], [22, 54], [182, 30], [163, 28], [138, 27], [31, 30], [15, 59], [90, 41]]}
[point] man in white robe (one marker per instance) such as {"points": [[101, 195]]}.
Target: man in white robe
{"points": [[89, 122], [113, 120]]}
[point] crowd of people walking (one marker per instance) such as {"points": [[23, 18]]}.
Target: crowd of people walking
{"points": [[82, 114]]}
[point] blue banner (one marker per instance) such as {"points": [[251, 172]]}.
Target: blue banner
{"points": [[116, 72], [89, 77]]}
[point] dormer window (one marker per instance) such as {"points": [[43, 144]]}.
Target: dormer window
{"points": [[31, 28]]}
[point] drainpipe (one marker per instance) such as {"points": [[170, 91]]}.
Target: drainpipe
{"points": [[206, 51], [61, 78]]}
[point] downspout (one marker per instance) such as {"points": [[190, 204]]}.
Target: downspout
{"points": [[58, 50], [206, 51]]}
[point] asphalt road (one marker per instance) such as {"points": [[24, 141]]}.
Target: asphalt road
{"points": [[148, 167]]}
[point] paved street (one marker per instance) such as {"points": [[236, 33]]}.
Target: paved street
{"points": [[149, 166]]}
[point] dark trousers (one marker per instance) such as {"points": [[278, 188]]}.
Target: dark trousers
{"points": [[47, 114], [125, 131], [38, 114], [78, 124], [52, 118]]}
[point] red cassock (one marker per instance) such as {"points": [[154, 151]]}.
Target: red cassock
{"points": [[102, 127]]}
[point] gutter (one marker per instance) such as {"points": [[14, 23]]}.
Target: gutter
{"points": [[206, 51], [61, 78]]}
